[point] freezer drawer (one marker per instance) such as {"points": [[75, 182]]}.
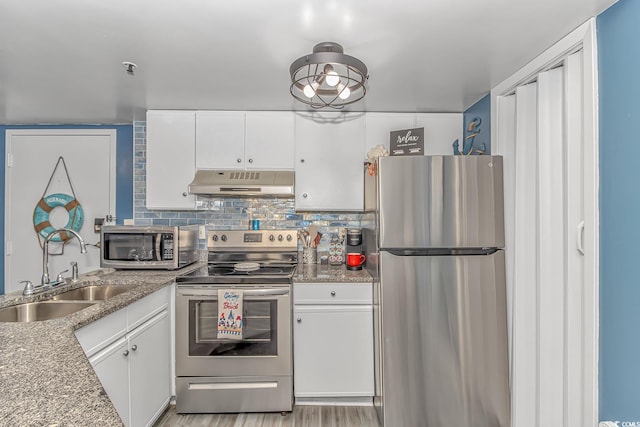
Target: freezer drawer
{"points": [[442, 341], [440, 202]]}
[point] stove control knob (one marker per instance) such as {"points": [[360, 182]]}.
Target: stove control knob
{"points": [[289, 238], [272, 237], [223, 237], [215, 238], [280, 238]]}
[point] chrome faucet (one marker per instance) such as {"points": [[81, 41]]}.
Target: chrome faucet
{"points": [[45, 255]]}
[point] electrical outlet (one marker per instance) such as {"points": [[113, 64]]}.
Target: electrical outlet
{"points": [[202, 232]]}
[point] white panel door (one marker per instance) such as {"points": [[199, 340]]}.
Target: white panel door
{"points": [[31, 157], [329, 162], [440, 131], [171, 152], [551, 224], [150, 369], [112, 367], [269, 142], [333, 351], [220, 139]]}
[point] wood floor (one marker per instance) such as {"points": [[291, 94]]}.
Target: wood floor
{"points": [[302, 416]]}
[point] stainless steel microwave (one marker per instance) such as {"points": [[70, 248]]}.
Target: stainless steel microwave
{"points": [[152, 247]]}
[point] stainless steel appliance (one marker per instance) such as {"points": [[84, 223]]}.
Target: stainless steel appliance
{"points": [[354, 245], [148, 247], [253, 374], [433, 240], [243, 183]]}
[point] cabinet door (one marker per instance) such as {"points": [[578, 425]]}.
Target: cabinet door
{"points": [[329, 161], [112, 367], [440, 131], [170, 159], [150, 369], [269, 140], [220, 139], [380, 125], [333, 351]]}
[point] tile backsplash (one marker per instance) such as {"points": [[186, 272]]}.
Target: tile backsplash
{"points": [[230, 213]]}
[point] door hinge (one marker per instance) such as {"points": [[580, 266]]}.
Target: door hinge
{"points": [[9, 160], [8, 248]]}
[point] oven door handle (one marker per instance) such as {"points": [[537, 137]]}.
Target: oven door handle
{"points": [[246, 292]]}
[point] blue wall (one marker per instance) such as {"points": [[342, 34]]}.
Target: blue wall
{"points": [[124, 175], [480, 110], [619, 87]]}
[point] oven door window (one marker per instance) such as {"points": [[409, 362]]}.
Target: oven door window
{"points": [[259, 332]]}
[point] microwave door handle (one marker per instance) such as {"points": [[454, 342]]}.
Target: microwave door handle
{"points": [[158, 256]]}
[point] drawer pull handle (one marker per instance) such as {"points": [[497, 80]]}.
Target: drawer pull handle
{"points": [[333, 293], [299, 319], [134, 347], [125, 353]]}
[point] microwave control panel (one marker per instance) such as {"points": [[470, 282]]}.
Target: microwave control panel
{"points": [[167, 246]]}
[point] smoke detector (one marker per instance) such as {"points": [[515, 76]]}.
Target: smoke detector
{"points": [[129, 67]]}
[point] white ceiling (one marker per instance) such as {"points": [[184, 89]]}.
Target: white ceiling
{"points": [[61, 61]]}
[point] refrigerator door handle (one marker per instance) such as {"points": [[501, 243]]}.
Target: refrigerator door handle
{"points": [[580, 236]]}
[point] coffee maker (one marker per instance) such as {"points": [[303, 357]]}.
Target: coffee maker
{"points": [[354, 246]]}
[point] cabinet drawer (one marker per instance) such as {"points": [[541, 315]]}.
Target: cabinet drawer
{"points": [[147, 307], [332, 293], [100, 333]]}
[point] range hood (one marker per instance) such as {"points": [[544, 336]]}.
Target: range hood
{"points": [[242, 183]]}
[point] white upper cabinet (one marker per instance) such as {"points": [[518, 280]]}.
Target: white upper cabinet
{"points": [[440, 131], [219, 139], [244, 140], [170, 159], [329, 161], [269, 142], [379, 126]]}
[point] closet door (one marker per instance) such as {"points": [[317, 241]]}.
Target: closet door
{"points": [[540, 129]]}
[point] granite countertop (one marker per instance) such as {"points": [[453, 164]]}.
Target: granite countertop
{"points": [[45, 375], [319, 273]]}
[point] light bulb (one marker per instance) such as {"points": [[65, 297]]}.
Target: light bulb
{"points": [[331, 77], [310, 89], [343, 91]]}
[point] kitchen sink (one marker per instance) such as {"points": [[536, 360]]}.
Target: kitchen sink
{"points": [[91, 293], [41, 310]]}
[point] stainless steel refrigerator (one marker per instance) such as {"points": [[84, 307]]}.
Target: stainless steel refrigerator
{"points": [[434, 236]]}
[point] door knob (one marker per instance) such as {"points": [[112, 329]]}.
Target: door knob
{"points": [[299, 319]]}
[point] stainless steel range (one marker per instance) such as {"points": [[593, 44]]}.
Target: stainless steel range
{"points": [[254, 373]]}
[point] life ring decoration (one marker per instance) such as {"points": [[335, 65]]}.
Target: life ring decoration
{"points": [[41, 222]]}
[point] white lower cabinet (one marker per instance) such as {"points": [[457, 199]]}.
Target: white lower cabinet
{"points": [[333, 340], [134, 364]]}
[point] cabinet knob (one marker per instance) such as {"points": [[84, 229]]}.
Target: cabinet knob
{"points": [[299, 319], [239, 160], [134, 347], [250, 160], [301, 160], [305, 195], [333, 293], [185, 194], [125, 353]]}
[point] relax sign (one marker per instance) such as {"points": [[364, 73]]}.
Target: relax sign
{"points": [[408, 142]]}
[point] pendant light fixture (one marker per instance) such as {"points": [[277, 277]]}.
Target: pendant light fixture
{"points": [[328, 77]]}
